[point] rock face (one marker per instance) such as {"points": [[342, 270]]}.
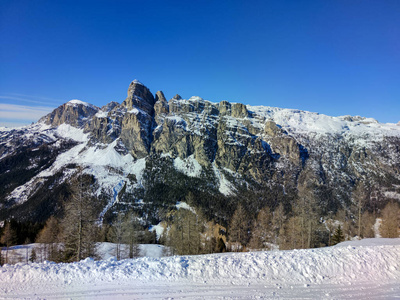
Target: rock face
{"points": [[288, 153]]}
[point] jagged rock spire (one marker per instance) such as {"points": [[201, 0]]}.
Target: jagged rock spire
{"points": [[139, 96]]}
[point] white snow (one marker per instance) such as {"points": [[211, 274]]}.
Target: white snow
{"points": [[368, 269], [224, 186], [134, 111], [101, 114], [297, 121], [104, 251], [188, 166], [135, 81], [108, 250], [75, 102], [70, 132], [392, 195], [159, 229], [184, 205]]}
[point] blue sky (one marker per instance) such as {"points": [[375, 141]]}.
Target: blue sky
{"points": [[332, 57]]}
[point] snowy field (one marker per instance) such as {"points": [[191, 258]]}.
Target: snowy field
{"points": [[366, 269]]}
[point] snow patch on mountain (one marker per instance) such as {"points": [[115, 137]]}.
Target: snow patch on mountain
{"points": [[225, 187], [188, 166], [184, 205], [69, 132], [135, 81], [297, 121], [101, 114], [76, 102]]}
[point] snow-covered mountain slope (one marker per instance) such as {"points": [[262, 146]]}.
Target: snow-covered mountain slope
{"points": [[150, 150], [368, 269]]}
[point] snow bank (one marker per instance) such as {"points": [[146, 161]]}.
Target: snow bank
{"points": [[368, 262]]}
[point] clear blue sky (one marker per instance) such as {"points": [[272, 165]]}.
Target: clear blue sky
{"points": [[333, 57]]}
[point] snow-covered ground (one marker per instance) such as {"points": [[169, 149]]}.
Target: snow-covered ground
{"points": [[367, 269]]}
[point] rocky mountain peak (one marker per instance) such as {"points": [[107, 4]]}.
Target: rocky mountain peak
{"points": [[161, 105], [139, 96], [160, 97], [74, 113], [177, 97]]}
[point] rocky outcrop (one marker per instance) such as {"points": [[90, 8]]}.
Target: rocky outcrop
{"points": [[161, 105]]}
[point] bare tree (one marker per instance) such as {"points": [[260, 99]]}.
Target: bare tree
{"points": [[80, 217], [367, 224], [184, 232], [359, 196], [131, 228], [262, 230], [277, 222], [239, 227], [49, 237], [117, 232], [8, 238], [390, 227], [292, 235]]}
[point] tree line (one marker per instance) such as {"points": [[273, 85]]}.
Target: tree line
{"points": [[73, 235]]}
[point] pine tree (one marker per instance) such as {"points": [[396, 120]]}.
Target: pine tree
{"points": [[338, 236], [33, 255]]}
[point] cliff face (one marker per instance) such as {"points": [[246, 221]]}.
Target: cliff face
{"points": [[227, 147]]}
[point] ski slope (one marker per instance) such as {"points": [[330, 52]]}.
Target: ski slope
{"points": [[367, 269]]}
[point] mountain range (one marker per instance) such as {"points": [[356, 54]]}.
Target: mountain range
{"points": [[149, 154]]}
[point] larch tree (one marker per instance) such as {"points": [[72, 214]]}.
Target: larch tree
{"points": [[367, 225], [390, 227], [358, 196], [117, 233], [278, 220], [184, 232], [239, 228], [292, 234], [49, 237], [261, 232], [79, 225], [131, 227], [8, 238]]}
